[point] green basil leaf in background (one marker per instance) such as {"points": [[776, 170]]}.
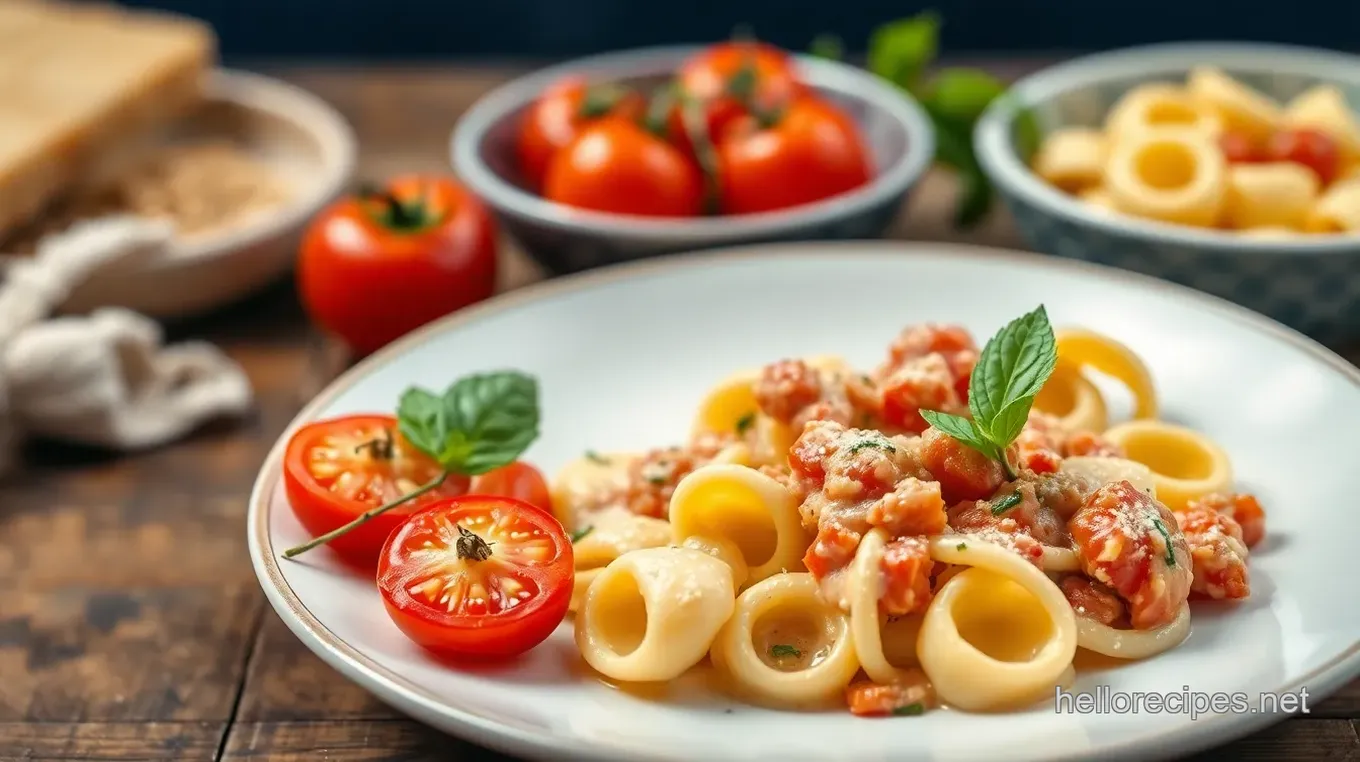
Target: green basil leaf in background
{"points": [[1026, 134], [421, 419], [493, 418], [827, 46], [901, 50], [963, 94], [975, 198]]}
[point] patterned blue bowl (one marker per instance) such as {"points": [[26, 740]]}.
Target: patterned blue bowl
{"points": [[1311, 284], [565, 239]]}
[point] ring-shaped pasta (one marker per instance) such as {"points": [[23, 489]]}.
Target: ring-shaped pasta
{"points": [[1073, 399], [1072, 158], [1158, 106], [652, 614], [1172, 174], [1184, 463], [612, 533], [1104, 470], [746, 507], [725, 551], [1242, 109], [1088, 349], [1278, 193], [1060, 560], [1026, 623], [576, 486], [729, 407], [1098, 199], [1324, 108], [818, 659], [877, 641], [1133, 644], [1337, 210]]}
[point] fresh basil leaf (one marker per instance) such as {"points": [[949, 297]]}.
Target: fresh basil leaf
{"points": [[975, 198], [953, 148], [901, 50], [1010, 421], [1026, 134], [492, 419], [1014, 364], [963, 94], [421, 420], [828, 46]]}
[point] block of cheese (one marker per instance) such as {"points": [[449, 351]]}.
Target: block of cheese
{"points": [[77, 83]]}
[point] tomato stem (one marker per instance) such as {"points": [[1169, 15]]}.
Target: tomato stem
{"points": [[470, 547], [366, 516], [398, 214], [696, 127], [379, 447], [600, 100]]}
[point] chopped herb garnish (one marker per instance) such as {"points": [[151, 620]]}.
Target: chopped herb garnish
{"points": [[910, 710], [1170, 555], [781, 650], [745, 422], [867, 442], [595, 457], [1006, 503], [580, 534], [656, 480], [961, 546]]}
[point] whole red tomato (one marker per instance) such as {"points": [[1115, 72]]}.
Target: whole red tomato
{"points": [[731, 79], [1311, 148], [558, 115], [615, 165], [812, 150], [377, 265]]}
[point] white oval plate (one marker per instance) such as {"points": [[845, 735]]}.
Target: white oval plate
{"points": [[623, 356]]}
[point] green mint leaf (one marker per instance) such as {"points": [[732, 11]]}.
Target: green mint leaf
{"points": [[963, 94], [578, 535], [1013, 366], [910, 710], [901, 50], [1006, 503], [421, 419], [975, 199], [489, 420], [828, 46], [781, 650]]}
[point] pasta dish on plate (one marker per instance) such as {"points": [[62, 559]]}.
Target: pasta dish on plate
{"points": [[946, 529]]}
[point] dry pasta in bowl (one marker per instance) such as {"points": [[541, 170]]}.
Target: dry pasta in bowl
{"points": [[947, 529]]}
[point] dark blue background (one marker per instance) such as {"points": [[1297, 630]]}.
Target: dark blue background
{"points": [[340, 29]]}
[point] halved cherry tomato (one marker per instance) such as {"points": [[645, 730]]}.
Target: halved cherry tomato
{"points": [[812, 151], [477, 576], [518, 480], [556, 118], [615, 165], [1311, 148], [1240, 148], [732, 79], [336, 469]]}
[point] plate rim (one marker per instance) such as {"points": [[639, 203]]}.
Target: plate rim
{"points": [[411, 699]]}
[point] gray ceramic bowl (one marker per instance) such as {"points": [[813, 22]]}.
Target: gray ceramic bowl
{"points": [[567, 239], [1312, 284]]}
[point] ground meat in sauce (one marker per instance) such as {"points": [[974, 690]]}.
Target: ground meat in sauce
{"points": [[652, 478], [963, 473], [1027, 514], [1044, 442], [1131, 542], [911, 689], [924, 383], [1092, 599], [1217, 552], [794, 393], [907, 568], [845, 465], [786, 387], [1240, 507], [913, 507]]}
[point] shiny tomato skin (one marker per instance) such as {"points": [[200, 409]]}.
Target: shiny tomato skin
{"points": [[320, 507], [812, 152], [616, 166], [1240, 148], [519, 480], [707, 76], [557, 116], [1311, 148], [430, 589], [370, 282]]}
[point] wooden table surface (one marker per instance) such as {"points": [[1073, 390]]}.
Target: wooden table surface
{"points": [[131, 624]]}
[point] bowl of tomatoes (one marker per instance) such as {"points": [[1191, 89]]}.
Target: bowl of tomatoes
{"points": [[654, 151]]}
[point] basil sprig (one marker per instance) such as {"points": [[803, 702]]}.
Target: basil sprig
{"points": [[479, 423], [1013, 367]]}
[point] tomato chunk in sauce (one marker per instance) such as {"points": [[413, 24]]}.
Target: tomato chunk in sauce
{"points": [[963, 473], [911, 693], [925, 383], [1240, 507], [1131, 543], [1217, 552], [1092, 599], [906, 576]]}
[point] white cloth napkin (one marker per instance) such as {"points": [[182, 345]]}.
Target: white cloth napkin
{"points": [[103, 379]]}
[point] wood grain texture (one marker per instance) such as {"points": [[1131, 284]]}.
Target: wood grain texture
{"points": [[131, 625]]}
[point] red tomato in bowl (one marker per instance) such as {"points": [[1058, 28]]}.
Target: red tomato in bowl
{"points": [[1313, 149], [558, 116], [334, 470], [477, 576], [518, 480], [1241, 148], [812, 151], [730, 79], [378, 265], [616, 165]]}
